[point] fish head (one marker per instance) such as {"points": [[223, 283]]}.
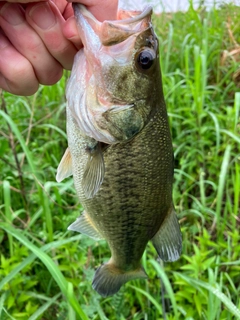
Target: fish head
{"points": [[121, 77]]}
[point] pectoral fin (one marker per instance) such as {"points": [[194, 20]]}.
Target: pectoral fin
{"points": [[64, 169], [168, 240], [84, 225], [94, 172]]}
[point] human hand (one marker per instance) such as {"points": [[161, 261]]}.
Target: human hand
{"points": [[33, 48], [36, 43]]}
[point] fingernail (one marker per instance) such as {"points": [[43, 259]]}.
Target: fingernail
{"points": [[12, 13], [42, 16]]}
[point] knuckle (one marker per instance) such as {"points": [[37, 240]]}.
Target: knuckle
{"points": [[24, 91], [23, 80], [51, 76]]}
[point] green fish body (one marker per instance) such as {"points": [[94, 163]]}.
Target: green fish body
{"points": [[119, 145]]}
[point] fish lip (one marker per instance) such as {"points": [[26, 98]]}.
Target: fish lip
{"points": [[145, 12], [78, 7]]}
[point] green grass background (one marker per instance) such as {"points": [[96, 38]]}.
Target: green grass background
{"points": [[46, 271]]}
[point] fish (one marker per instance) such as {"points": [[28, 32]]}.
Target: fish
{"points": [[119, 145]]}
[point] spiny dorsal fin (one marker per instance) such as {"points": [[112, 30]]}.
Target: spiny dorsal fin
{"points": [[94, 173], [168, 240], [64, 169], [84, 225]]}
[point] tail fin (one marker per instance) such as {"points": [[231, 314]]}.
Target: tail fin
{"points": [[108, 279]]}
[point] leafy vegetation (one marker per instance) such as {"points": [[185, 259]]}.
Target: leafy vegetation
{"points": [[46, 271]]}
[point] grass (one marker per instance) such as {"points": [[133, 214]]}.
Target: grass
{"points": [[46, 271]]}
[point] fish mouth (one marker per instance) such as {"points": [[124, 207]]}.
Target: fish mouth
{"points": [[132, 16], [110, 32]]}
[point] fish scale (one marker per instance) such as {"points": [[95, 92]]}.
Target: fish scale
{"points": [[124, 182]]}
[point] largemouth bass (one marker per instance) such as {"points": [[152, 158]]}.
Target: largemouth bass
{"points": [[119, 145]]}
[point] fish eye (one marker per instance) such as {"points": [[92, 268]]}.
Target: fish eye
{"points": [[145, 58]]}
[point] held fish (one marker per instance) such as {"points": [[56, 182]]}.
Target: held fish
{"points": [[119, 145]]}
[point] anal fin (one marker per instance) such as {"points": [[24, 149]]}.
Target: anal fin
{"points": [[64, 169], [168, 240], [94, 172], [84, 225]]}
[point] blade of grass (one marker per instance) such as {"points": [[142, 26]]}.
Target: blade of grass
{"points": [[2, 299], [52, 268], [202, 186], [232, 135], [9, 316], [221, 183], [28, 156], [51, 126], [148, 296], [44, 307], [237, 110], [167, 285], [32, 257], [169, 45], [220, 295], [217, 129], [21, 141], [8, 214], [236, 189]]}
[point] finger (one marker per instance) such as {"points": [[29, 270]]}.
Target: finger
{"points": [[102, 10], [63, 6], [47, 21], [60, 4], [13, 22], [70, 32], [16, 73], [68, 12]]}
